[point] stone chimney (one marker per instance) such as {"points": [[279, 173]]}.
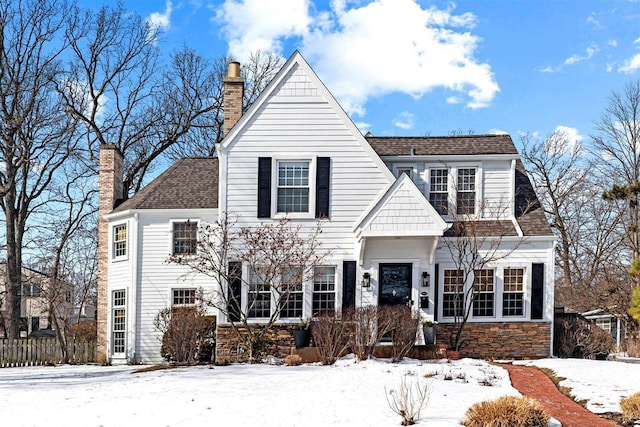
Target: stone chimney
{"points": [[232, 98], [110, 190]]}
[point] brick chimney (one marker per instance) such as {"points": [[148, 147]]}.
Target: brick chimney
{"points": [[232, 98], [110, 190]]}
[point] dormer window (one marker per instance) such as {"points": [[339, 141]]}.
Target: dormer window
{"points": [[466, 191], [185, 238], [439, 190]]}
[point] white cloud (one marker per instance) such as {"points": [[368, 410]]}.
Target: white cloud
{"points": [[364, 49], [591, 19], [631, 65], [590, 51], [496, 131], [612, 43], [161, 20], [452, 100], [404, 120], [252, 25], [572, 134], [636, 40], [547, 69]]}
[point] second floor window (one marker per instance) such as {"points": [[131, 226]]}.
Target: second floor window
{"points": [[185, 238], [293, 186], [120, 241], [439, 190], [466, 192]]}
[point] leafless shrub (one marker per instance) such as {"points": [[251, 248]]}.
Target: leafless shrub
{"points": [[631, 407], [409, 400], [85, 330], [402, 327], [330, 334], [576, 337], [187, 333], [505, 411], [370, 324], [293, 360]]}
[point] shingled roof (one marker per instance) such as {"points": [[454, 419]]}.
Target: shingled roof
{"points": [[529, 213], [442, 145], [191, 183]]}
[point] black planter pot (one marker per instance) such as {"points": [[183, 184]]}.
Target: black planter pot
{"points": [[301, 337], [429, 334]]}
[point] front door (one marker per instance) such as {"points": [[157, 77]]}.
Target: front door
{"points": [[395, 284]]}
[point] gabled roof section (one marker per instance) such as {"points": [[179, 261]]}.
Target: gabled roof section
{"points": [[296, 78], [402, 211], [442, 145], [191, 183]]}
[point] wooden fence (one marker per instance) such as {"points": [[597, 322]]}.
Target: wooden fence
{"points": [[43, 351]]}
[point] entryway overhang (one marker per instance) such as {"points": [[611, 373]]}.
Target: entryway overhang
{"points": [[402, 211]]}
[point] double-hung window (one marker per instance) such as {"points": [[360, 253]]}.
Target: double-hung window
{"points": [[259, 300], [513, 292], [293, 186], [466, 191], [324, 295], [120, 241], [291, 293], [453, 293], [439, 190], [118, 321], [185, 238], [483, 293]]}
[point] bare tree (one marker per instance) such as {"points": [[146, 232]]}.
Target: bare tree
{"points": [[616, 144], [278, 258], [37, 135]]}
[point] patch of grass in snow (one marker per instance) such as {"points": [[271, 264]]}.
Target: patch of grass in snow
{"points": [[564, 390], [153, 368]]}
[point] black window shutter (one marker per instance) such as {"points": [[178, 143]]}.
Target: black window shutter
{"points": [[264, 187], [235, 291], [436, 281], [323, 173], [537, 290], [348, 284]]}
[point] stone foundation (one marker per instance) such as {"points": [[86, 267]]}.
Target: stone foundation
{"points": [[279, 342], [506, 340]]}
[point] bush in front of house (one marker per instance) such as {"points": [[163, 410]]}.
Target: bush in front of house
{"points": [[293, 360], [631, 407], [402, 326], [579, 338], [409, 399], [506, 411], [187, 334], [84, 331], [331, 336]]}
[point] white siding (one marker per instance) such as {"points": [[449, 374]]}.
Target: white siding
{"points": [[497, 187]]}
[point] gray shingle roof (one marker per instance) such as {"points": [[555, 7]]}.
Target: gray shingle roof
{"points": [[442, 145], [191, 183]]}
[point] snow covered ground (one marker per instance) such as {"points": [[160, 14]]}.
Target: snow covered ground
{"points": [[263, 395]]}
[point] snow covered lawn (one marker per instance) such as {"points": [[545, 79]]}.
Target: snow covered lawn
{"points": [[241, 395], [262, 395]]}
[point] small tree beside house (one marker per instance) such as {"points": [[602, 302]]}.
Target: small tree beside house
{"points": [[268, 263]]}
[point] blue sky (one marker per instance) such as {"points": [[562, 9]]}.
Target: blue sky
{"points": [[410, 67]]}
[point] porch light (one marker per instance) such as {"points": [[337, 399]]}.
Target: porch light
{"points": [[366, 280], [425, 278]]}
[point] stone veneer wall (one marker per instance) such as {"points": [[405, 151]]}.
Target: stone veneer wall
{"points": [[505, 340], [280, 342]]}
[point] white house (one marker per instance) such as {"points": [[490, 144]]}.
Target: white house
{"points": [[388, 205]]}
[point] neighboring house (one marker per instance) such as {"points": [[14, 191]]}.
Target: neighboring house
{"points": [[611, 323], [385, 201], [34, 302]]}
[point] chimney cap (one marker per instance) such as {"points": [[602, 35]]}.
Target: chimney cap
{"points": [[233, 69]]}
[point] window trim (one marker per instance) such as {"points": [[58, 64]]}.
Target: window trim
{"points": [[114, 242], [311, 211], [172, 224]]}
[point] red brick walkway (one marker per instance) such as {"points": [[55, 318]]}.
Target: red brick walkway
{"points": [[534, 383]]}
